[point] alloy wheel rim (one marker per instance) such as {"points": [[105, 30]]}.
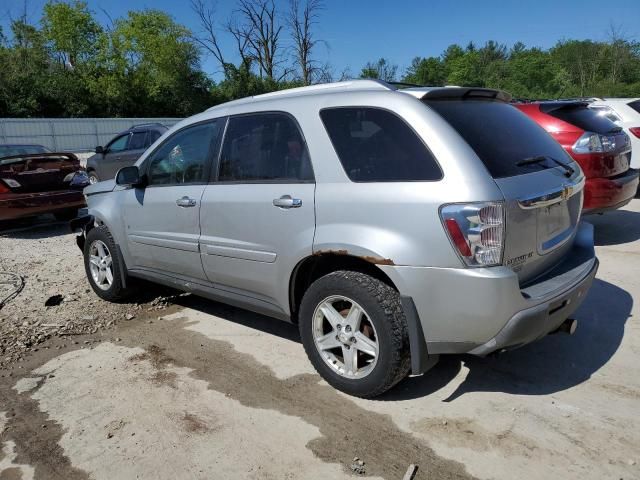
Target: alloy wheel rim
{"points": [[345, 337], [101, 265]]}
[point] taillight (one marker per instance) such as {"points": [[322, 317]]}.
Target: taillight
{"points": [[3, 187], [590, 142], [635, 131], [476, 230]]}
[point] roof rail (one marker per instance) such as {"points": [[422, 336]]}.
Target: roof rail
{"points": [[150, 124]]}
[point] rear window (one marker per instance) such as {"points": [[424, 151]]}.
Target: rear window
{"points": [[375, 145], [499, 133], [582, 117], [10, 150], [635, 105]]}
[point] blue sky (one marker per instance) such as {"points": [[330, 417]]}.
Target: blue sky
{"points": [[359, 31]]}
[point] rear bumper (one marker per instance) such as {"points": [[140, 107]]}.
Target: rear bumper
{"points": [[603, 194], [480, 310], [14, 206]]}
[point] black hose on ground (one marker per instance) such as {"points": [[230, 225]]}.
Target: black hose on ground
{"points": [[15, 281]]}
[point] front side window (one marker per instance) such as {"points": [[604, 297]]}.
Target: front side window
{"points": [[137, 140], [375, 145], [184, 157], [265, 147], [119, 144]]}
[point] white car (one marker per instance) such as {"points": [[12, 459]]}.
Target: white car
{"points": [[624, 112]]}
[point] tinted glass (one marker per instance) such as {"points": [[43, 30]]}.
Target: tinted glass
{"points": [[606, 112], [119, 144], [152, 136], [582, 117], [375, 145], [184, 157], [500, 134], [635, 105], [10, 150], [137, 141], [264, 147]]}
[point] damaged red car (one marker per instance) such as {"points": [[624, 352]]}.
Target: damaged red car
{"points": [[34, 181]]}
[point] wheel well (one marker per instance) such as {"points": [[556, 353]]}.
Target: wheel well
{"points": [[312, 268]]}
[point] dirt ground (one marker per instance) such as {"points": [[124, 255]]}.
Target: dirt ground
{"points": [[178, 387]]}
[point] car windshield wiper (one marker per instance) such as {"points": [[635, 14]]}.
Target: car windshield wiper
{"points": [[542, 158]]}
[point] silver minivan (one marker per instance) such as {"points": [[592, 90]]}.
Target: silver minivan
{"points": [[391, 224]]}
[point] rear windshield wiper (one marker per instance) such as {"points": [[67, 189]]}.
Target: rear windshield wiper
{"points": [[542, 158]]}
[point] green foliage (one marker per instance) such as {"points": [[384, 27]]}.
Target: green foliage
{"points": [[572, 68], [147, 64]]}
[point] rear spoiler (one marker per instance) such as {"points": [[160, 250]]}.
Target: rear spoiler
{"points": [[458, 93], [34, 156]]}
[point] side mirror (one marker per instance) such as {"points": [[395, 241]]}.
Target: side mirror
{"points": [[128, 176], [99, 149]]}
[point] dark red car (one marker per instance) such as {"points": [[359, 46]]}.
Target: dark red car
{"points": [[597, 144], [35, 181]]}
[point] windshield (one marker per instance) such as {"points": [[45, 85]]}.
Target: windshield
{"points": [[11, 150], [501, 135]]}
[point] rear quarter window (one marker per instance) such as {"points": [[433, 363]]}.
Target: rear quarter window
{"points": [[635, 105], [375, 145], [500, 134]]}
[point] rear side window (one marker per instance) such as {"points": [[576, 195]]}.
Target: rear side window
{"points": [[152, 136], [375, 145], [137, 141], [264, 147], [635, 105], [581, 116], [499, 133]]}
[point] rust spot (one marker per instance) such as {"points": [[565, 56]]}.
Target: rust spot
{"points": [[378, 261], [366, 258]]}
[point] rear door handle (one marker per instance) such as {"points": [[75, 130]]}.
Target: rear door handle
{"points": [[286, 201], [186, 202]]}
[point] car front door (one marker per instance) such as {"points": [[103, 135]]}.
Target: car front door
{"points": [[257, 216], [110, 162], [162, 220]]}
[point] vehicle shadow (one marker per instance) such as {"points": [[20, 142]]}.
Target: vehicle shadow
{"points": [[614, 228], [553, 364], [45, 226], [248, 319]]}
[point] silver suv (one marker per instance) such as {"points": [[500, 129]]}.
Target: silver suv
{"points": [[392, 225]]}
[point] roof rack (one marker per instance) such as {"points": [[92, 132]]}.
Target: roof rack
{"points": [[150, 124]]}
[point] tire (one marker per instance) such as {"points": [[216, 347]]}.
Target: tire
{"points": [[98, 242], [93, 177], [382, 323], [66, 215]]}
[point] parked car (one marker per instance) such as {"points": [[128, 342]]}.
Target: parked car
{"points": [[601, 147], [624, 112], [392, 225], [35, 181], [122, 151]]}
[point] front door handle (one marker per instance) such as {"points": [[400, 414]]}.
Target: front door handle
{"points": [[286, 201], [186, 202]]}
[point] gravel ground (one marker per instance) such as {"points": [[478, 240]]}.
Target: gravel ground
{"points": [[56, 300]]}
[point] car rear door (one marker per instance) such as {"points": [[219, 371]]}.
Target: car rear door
{"points": [[258, 216], [163, 219], [135, 148]]}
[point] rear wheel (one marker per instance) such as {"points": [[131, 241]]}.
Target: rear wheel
{"points": [[354, 332], [103, 266]]}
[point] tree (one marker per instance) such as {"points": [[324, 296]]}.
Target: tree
{"points": [[301, 21], [71, 31], [426, 71], [381, 70]]}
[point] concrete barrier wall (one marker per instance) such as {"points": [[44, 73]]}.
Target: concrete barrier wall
{"points": [[69, 134]]}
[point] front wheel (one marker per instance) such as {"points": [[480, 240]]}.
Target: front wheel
{"points": [[354, 331], [103, 267], [93, 177]]}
